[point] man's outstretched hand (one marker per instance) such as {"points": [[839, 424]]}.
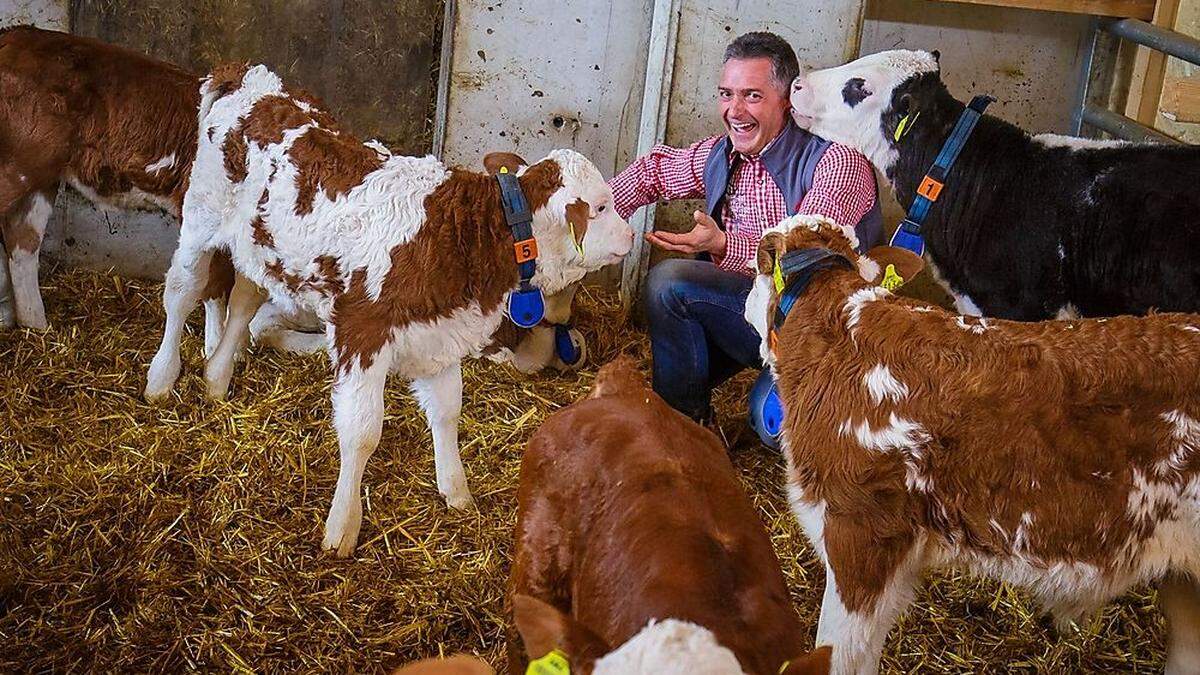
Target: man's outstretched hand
{"points": [[705, 237]]}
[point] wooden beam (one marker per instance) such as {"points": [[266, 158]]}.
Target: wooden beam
{"points": [[1181, 98], [656, 94], [1131, 9], [1149, 68]]}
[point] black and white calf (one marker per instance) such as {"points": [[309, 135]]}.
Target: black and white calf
{"points": [[1027, 227]]}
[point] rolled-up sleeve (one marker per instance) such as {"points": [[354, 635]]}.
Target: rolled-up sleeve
{"points": [[664, 173]]}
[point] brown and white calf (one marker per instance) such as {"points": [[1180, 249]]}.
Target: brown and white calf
{"points": [[114, 124], [407, 262], [634, 533], [529, 350], [1061, 456]]}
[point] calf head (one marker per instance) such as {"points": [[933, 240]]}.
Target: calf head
{"points": [[667, 647], [815, 233], [578, 230], [868, 104]]}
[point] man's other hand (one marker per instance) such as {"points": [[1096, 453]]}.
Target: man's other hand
{"points": [[705, 237]]}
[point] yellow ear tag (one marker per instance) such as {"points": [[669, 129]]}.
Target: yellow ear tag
{"points": [[891, 280], [777, 275], [574, 240], [503, 169], [554, 663], [905, 125]]}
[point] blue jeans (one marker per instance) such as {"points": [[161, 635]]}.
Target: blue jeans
{"points": [[698, 334]]}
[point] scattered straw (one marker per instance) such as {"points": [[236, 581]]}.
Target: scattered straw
{"points": [[183, 537]]}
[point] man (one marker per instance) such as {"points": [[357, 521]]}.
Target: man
{"points": [[763, 169]]}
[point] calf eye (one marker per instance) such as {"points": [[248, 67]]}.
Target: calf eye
{"points": [[600, 209], [855, 91]]}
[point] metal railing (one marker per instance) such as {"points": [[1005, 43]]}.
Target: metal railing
{"points": [[1139, 32]]}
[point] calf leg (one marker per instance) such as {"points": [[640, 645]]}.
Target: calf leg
{"points": [[215, 310], [23, 231], [244, 301], [1179, 600], [181, 294], [440, 397], [216, 291], [868, 584], [271, 327], [8, 315], [358, 418]]}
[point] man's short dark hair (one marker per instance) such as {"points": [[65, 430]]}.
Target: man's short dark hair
{"points": [[764, 45]]}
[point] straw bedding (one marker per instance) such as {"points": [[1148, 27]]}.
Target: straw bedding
{"points": [[186, 536]]}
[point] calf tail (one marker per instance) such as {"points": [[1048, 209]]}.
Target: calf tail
{"points": [[619, 377], [223, 79]]}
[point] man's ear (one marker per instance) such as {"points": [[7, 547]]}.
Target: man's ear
{"points": [[772, 246], [544, 628], [494, 161], [816, 662]]}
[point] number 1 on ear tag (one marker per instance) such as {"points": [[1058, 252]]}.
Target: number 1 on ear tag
{"points": [[777, 275]]}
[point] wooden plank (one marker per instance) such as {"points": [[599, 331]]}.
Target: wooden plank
{"points": [[660, 65], [1149, 68], [1181, 98], [1133, 9]]}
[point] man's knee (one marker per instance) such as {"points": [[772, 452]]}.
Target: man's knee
{"points": [[665, 285]]}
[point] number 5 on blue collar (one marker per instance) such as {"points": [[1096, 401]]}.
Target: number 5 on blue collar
{"points": [[526, 307]]}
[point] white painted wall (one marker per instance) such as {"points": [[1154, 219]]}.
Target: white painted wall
{"points": [[532, 76]]}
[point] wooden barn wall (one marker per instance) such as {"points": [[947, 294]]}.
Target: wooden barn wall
{"points": [[373, 62]]}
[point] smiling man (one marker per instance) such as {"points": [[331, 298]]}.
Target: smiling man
{"points": [[763, 169]]}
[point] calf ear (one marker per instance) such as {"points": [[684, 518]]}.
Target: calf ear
{"points": [[897, 266], [494, 161], [937, 56], [577, 215], [455, 665], [772, 246], [544, 628], [816, 662]]}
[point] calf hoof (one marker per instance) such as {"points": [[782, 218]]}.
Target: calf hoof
{"points": [[36, 323], [217, 382], [340, 543], [461, 501], [160, 379]]}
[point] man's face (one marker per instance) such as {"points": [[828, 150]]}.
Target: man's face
{"points": [[753, 106]]}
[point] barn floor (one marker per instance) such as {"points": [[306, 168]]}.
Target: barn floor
{"points": [[184, 537]]}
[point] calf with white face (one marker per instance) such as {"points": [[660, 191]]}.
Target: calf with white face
{"points": [[918, 439], [408, 263], [1024, 227]]}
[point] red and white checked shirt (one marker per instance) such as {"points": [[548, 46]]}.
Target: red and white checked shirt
{"points": [[843, 189]]}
